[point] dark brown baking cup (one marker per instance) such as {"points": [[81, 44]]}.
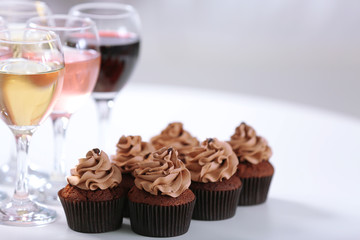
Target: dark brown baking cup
{"points": [[215, 205], [255, 190], [160, 221], [93, 217], [126, 212], [127, 183]]}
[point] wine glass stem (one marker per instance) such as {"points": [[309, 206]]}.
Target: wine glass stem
{"points": [[60, 125], [22, 144], [104, 108]]}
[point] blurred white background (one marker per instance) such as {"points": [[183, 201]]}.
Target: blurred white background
{"points": [[304, 51]]}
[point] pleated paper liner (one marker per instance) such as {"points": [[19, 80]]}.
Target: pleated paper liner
{"points": [[255, 190], [160, 221], [126, 212], [93, 217], [215, 205], [127, 183]]}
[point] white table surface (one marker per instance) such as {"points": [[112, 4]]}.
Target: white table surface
{"points": [[314, 193]]}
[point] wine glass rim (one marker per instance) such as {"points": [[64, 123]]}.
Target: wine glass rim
{"points": [[130, 10], [6, 12], [52, 36], [88, 21]]}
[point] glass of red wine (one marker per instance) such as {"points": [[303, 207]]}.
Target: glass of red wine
{"points": [[80, 41], [119, 31]]}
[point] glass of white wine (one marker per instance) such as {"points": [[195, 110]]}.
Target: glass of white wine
{"points": [[31, 78], [15, 14]]}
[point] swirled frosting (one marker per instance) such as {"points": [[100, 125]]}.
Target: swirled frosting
{"points": [[248, 146], [175, 136], [95, 172], [163, 173], [214, 161], [130, 151]]}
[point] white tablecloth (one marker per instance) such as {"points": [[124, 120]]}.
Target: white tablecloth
{"points": [[314, 193]]}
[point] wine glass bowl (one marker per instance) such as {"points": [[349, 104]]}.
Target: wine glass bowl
{"points": [[80, 41], [31, 76], [119, 32]]}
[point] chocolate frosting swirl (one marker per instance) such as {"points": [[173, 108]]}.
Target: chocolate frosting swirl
{"points": [[130, 151], [214, 161], [175, 136], [95, 172], [163, 173], [248, 146]]}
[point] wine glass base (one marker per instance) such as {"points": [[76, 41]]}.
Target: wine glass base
{"points": [[25, 213]]}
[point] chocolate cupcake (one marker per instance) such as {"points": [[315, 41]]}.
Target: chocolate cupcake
{"points": [[93, 200], [161, 204], [254, 169], [217, 189], [130, 151], [175, 136]]}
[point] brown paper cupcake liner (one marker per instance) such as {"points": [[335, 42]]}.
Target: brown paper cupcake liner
{"points": [[255, 190], [160, 221], [126, 212], [215, 205], [93, 217]]}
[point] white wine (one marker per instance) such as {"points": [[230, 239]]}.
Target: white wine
{"points": [[28, 90]]}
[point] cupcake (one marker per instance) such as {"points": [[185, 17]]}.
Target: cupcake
{"points": [[175, 136], [161, 204], [93, 199], [254, 169], [214, 183], [130, 151]]}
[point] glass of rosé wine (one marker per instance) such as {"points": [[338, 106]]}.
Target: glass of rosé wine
{"points": [[80, 41], [119, 31], [31, 78]]}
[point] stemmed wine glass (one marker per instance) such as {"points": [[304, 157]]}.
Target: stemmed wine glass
{"points": [[119, 31], [80, 41], [15, 14], [31, 78]]}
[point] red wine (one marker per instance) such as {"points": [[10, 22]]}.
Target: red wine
{"points": [[119, 53]]}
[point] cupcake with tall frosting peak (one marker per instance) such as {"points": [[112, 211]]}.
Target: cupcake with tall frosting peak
{"points": [[93, 190], [161, 203], [176, 136], [213, 166], [254, 169], [130, 151]]}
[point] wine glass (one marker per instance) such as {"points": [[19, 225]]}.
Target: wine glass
{"points": [[31, 78], [80, 41], [15, 15], [119, 31]]}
